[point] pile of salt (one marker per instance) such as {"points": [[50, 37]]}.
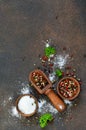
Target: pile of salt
{"points": [[27, 105]]}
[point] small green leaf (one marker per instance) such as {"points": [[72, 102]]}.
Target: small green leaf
{"points": [[49, 51], [44, 119], [58, 72]]}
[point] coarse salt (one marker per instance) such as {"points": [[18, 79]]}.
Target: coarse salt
{"points": [[60, 60], [14, 112], [6, 101], [41, 103], [44, 107], [47, 45], [27, 105], [10, 98], [52, 77], [25, 90], [68, 102]]}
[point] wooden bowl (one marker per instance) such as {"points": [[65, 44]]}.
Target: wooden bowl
{"points": [[23, 114], [68, 88]]}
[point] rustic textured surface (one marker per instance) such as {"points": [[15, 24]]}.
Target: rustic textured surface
{"points": [[23, 26]]}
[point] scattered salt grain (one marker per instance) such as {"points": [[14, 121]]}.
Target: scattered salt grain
{"points": [[44, 107], [52, 77], [41, 103], [68, 102], [49, 59], [51, 56], [4, 103], [60, 60], [51, 109], [25, 90], [14, 112], [27, 105], [47, 45], [10, 98]]}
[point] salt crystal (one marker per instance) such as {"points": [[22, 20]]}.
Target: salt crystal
{"points": [[49, 59], [14, 112], [47, 45], [25, 90], [60, 60], [68, 102], [51, 109], [41, 103], [10, 98], [4, 103], [51, 56], [52, 77], [44, 107], [27, 105]]}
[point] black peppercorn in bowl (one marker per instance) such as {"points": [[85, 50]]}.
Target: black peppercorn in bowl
{"points": [[68, 88]]}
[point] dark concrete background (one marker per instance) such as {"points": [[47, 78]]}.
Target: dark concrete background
{"points": [[23, 26]]}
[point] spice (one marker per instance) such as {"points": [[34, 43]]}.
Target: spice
{"points": [[68, 88], [52, 77], [14, 112], [27, 105], [25, 90], [60, 61], [44, 58], [39, 80], [47, 44], [44, 106]]}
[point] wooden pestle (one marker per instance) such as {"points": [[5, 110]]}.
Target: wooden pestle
{"points": [[56, 101]]}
